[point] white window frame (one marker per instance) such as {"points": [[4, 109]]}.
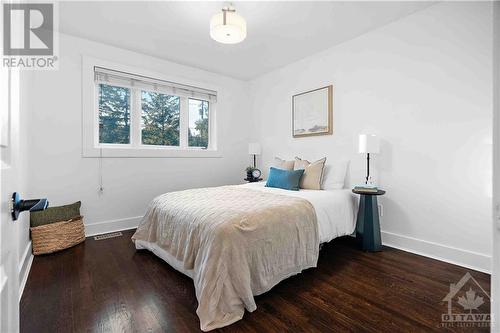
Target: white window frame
{"points": [[90, 118]]}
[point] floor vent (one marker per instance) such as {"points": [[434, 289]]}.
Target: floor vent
{"points": [[110, 235]]}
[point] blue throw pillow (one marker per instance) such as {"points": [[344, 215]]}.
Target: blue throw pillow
{"points": [[285, 179]]}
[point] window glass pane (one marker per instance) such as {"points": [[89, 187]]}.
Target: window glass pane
{"points": [[198, 123], [160, 119], [114, 114]]}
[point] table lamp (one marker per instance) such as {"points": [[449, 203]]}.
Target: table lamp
{"points": [[254, 149], [368, 144]]}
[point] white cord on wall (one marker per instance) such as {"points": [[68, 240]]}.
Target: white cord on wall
{"points": [[101, 188]]}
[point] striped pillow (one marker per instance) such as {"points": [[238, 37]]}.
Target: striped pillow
{"points": [[313, 173]]}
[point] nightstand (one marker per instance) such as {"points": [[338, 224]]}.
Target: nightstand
{"points": [[252, 180], [368, 224]]}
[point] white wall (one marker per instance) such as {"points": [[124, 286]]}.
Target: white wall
{"points": [[423, 84], [58, 171]]}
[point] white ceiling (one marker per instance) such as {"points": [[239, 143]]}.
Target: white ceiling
{"points": [[278, 32]]}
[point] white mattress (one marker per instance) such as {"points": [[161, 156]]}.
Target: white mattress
{"points": [[335, 212], [335, 209]]}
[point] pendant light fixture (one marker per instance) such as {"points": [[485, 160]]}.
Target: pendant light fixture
{"points": [[227, 27]]}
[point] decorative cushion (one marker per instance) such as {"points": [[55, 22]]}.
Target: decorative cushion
{"points": [[313, 173], [282, 164], [334, 175], [285, 179], [55, 214]]}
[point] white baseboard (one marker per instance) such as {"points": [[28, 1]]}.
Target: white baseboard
{"points": [[469, 259], [105, 227], [24, 268]]}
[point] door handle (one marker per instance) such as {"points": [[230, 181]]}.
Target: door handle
{"points": [[19, 205]]}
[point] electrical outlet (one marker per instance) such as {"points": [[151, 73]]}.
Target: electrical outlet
{"points": [[380, 210]]}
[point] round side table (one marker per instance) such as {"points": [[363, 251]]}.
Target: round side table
{"points": [[368, 224]]}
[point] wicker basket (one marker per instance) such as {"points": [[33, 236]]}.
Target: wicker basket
{"points": [[57, 236]]}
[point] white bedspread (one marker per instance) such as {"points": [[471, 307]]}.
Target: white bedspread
{"points": [[335, 209], [174, 229], [238, 242]]}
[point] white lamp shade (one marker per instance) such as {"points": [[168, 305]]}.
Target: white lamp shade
{"points": [[233, 31], [254, 148], [369, 143]]}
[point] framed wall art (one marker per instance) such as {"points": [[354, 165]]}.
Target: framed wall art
{"points": [[312, 112]]}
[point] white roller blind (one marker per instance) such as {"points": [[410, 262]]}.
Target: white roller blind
{"points": [[109, 76]]}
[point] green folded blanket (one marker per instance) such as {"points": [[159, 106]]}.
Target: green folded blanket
{"points": [[55, 214]]}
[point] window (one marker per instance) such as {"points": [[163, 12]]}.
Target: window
{"points": [[114, 114], [160, 119], [198, 123], [140, 116]]}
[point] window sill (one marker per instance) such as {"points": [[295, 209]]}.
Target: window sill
{"points": [[150, 152]]}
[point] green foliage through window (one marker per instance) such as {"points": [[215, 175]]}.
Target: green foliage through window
{"points": [[160, 119], [140, 112], [198, 123], [114, 114]]}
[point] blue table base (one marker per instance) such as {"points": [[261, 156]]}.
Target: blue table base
{"points": [[368, 224]]}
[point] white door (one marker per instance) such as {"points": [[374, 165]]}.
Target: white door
{"points": [[9, 180]]}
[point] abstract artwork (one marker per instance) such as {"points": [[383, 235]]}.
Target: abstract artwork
{"points": [[312, 112]]}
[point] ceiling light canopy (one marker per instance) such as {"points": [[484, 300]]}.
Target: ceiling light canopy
{"points": [[228, 27]]}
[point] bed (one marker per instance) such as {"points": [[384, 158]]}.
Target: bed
{"points": [[237, 242]]}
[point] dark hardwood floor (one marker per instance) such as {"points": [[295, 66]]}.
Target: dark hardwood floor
{"points": [[108, 286]]}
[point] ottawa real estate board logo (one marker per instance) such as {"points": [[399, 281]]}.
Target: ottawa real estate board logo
{"points": [[29, 39], [468, 305]]}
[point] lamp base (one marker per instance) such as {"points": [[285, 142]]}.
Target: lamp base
{"points": [[367, 168]]}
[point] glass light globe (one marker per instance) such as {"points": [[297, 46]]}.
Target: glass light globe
{"points": [[232, 32]]}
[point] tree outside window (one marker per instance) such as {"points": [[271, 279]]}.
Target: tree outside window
{"points": [[198, 123], [160, 119]]}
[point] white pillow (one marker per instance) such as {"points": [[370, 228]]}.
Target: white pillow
{"points": [[334, 175], [283, 164]]}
